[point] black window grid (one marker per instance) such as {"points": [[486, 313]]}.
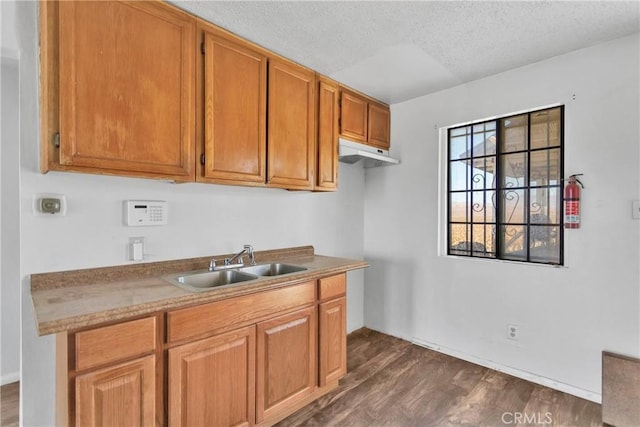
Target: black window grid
{"points": [[498, 187]]}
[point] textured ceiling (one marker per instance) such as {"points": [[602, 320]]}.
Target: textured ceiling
{"points": [[398, 50]]}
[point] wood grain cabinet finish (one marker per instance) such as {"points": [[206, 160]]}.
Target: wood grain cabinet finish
{"points": [[235, 111], [286, 362], [353, 116], [126, 88], [328, 130], [291, 126], [364, 120], [379, 125], [332, 328], [120, 395], [110, 344], [212, 381], [240, 361], [333, 340]]}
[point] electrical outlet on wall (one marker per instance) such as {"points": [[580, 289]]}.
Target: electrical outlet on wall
{"points": [[513, 332], [136, 248]]}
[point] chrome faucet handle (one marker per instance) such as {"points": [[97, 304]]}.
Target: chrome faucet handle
{"points": [[238, 260], [212, 265]]}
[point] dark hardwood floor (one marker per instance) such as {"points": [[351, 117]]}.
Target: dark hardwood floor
{"points": [[9, 405], [391, 382]]}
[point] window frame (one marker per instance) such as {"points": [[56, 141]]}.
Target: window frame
{"points": [[498, 222]]}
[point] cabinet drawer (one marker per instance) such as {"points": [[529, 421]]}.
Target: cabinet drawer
{"points": [[334, 286], [117, 342], [236, 312]]}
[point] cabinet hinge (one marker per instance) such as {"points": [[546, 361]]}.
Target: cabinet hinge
{"points": [[202, 48], [202, 159], [56, 139]]}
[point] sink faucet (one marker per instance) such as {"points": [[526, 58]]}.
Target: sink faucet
{"points": [[231, 262], [247, 249]]}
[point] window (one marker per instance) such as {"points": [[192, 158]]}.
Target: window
{"points": [[505, 188]]}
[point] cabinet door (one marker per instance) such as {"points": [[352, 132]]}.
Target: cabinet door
{"points": [[212, 381], [379, 125], [333, 340], [353, 117], [235, 111], [286, 364], [126, 81], [328, 115], [291, 129], [122, 395]]}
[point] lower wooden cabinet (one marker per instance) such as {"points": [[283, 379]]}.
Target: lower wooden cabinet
{"points": [[212, 381], [121, 395], [333, 340], [242, 361], [286, 361]]}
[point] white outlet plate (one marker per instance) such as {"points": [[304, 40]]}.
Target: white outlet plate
{"points": [[635, 209], [513, 332]]}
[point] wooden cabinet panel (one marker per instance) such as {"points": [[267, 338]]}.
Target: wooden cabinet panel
{"points": [[364, 120], [122, 395], [379, 125], [333, 340], [206, 318], [353, 117], [291, 126], [212, 381], [286, 361], [333, 286], [235, 103], [328, 117], [126, 88], [113, 343]]}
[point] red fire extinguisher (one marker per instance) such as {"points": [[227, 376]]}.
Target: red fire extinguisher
{"points": [[572, 202]]}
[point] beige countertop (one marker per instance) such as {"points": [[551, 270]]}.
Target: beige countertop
{"points": [[76, 299]]}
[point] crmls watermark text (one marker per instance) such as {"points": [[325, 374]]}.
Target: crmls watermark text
{"points": [[515, 418]]}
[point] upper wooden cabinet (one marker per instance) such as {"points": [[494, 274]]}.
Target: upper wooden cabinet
{"points": [[118, 88], [328, 129], [291, 126], [235, 112], [364, 120], [144, 89], [379, 123], [353, 116]]}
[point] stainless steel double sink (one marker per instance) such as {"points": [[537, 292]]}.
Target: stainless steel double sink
{"points": [[203, 280]]}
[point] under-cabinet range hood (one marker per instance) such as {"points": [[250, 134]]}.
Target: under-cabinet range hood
{"points": [[353, 152]]}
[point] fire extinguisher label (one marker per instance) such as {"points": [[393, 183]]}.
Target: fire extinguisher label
{"points": [[572, 212]]}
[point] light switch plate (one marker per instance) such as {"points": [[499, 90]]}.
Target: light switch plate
{"points": [[636, 209]]}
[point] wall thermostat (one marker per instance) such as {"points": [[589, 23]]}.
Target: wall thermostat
{"points": [[145, 212]]}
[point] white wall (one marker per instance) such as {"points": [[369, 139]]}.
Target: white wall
{"points": [[567, 315], [9, 213], [203, 220], [9, 223]]}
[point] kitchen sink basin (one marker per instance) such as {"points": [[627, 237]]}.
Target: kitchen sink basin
{"points": [[211, 279], [203, 280], [274, 269]]}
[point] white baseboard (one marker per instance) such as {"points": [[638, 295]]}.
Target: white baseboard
{"points": [[10, 378], [547, 382]]}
